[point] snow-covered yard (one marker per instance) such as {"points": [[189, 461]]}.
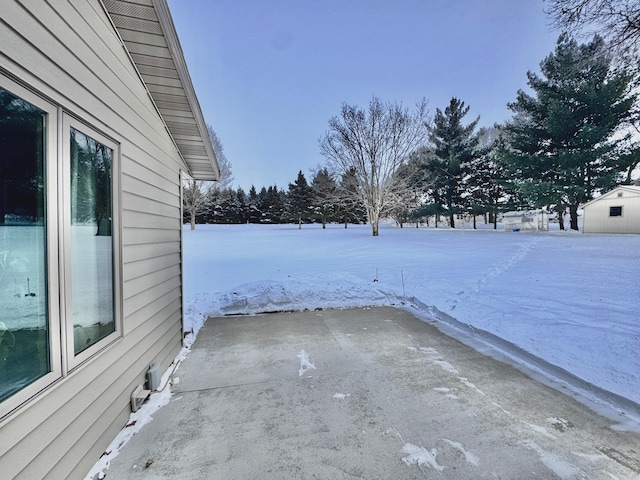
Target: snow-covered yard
{"points": [[568, 298]]}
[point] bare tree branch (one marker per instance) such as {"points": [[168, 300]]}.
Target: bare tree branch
{"points": [[373, 144]]}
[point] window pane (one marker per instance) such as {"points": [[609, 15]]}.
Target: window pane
{"points": [[91, 241], [24, 344], [615, 211]]}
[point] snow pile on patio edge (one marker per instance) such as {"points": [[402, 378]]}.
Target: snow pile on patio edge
{"points": [[279, 296]]}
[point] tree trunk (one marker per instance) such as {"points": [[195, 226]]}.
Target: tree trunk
{"points": [[474, 222], [299, 223], [561, 219], [573, 212], [495, 221], [452, 220], [193, 220], [374, 228]]}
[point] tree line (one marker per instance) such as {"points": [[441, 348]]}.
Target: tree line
{"points": [[571, 137], [323, 200]]}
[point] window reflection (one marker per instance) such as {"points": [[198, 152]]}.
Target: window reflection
{"points": [[24, 347], [91, 240]]}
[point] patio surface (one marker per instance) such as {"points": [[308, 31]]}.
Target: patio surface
{"points": [[390, 397]]}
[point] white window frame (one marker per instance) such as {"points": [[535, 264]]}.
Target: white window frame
{"points": [[62, 360], [72, 360], [51, 244]]}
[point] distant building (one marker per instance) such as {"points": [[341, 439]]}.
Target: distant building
{"points": [[99, 121], [526, 220], [617, 211]]}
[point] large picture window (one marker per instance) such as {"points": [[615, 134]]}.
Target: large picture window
{"points": [[60, 276], [24, 323]]}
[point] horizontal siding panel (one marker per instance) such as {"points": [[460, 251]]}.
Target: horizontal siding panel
{"points": [[134, 253], [145, 220], [145, 189], [162, 177], [141, 236], [133, 202], [140, 268], [151, 280], [148, 297], [137, 319]]}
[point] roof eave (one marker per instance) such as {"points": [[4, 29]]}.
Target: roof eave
{"points": [[171, 36], [149, 37]]}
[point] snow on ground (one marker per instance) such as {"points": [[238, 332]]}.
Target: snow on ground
{"points": [[567, 298]]}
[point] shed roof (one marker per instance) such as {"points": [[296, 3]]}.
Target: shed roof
{"points": [[149, 35], [634, 190]]}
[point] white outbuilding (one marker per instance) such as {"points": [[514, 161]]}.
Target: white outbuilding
{"points": [[526, 220], [617, 211]]}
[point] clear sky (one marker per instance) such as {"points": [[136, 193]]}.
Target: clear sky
{"points": [[269, 74]]}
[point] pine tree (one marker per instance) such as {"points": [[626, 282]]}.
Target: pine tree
{"points": [[276, 200], [324, 196], [350, 208], [254, 213], [486, 182], [299, 199], [561, 146], [454, 147]]}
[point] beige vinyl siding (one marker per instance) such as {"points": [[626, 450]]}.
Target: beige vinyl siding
{"points": [[67, 51], [596, 218]]}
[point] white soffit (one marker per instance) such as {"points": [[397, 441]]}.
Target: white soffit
{"points": [[149, 35]]}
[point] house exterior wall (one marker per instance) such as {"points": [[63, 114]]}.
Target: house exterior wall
{"points": [[596, 215], [68, 53]]}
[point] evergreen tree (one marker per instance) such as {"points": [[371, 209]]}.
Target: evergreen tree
{"points": [[276, 201], [243, 214], [350, 208], [454, 147], [299, 199], [486, 182], [561, 146], [324, 196], [254, 214], [263, 205]]}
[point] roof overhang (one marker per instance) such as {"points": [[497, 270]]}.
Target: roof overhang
{"points": [[149, 35]]}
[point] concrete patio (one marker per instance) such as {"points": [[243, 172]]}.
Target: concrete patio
{"points": [[369, 394]]}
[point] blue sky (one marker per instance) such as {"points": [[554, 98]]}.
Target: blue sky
{"points": [[270, 74]]}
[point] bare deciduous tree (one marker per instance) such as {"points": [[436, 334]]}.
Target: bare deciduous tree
{"points": [[617, 21], [374, 144], [196, 192]]}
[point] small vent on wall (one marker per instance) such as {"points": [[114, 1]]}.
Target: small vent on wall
{"points": [[138, 397], [619, 194]]}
